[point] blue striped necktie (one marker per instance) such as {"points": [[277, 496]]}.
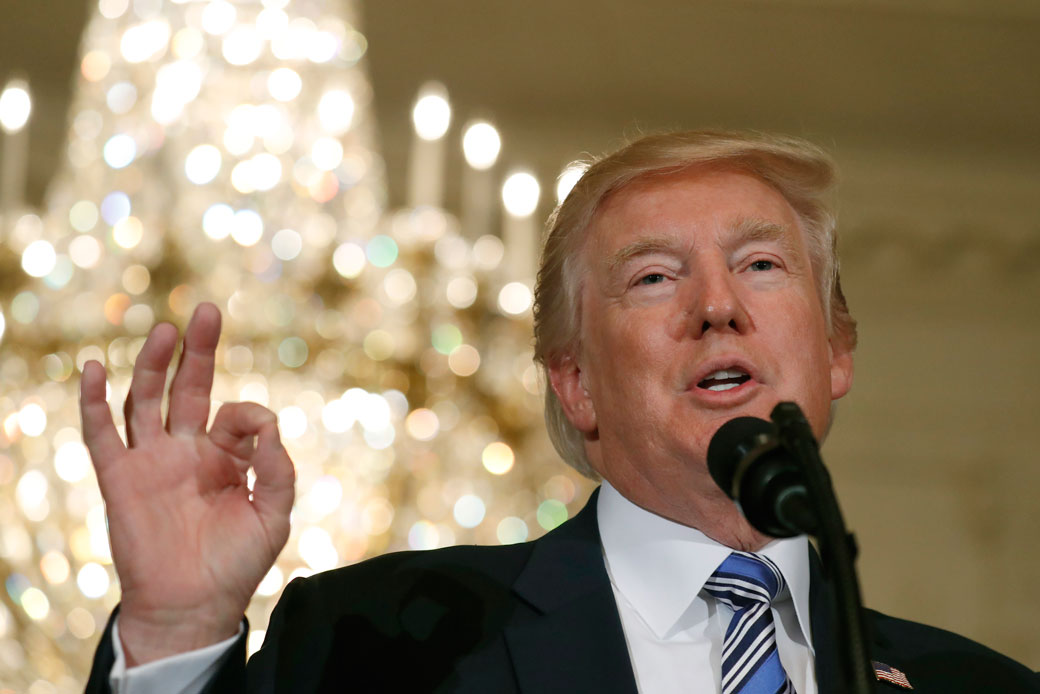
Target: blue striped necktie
{"points": [[750, 663]]}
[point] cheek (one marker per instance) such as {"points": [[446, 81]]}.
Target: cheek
{"points": [[801, 338], [624, 359]]}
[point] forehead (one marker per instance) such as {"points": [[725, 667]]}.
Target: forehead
{"points": [[695, 204]]}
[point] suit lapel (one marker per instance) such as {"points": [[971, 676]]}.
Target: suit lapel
{"points": [[574, 640]]}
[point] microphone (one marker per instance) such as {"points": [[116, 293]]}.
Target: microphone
{"points": [[774, 472], [748, 460]]}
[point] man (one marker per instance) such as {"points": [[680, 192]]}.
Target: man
{"points": [[688, 279]]}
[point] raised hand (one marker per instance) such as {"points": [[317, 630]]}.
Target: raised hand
{"points": [[190, 543]]}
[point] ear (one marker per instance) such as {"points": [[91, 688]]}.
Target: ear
{"points": [[841, 366], [566, 380]]}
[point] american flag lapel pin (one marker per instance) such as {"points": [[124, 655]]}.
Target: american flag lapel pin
{"points": [[887, 673]]}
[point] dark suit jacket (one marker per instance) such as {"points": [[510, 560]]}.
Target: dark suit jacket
{"points": [[537, 617]]}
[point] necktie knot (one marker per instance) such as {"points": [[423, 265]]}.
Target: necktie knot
{"points": [[744, 580]]}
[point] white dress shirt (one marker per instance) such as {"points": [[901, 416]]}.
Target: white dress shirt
{"points": [[184, 673], [673, 628], [657, 569]]}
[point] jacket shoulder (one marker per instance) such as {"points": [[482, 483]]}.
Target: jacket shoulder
{"points": [[950, 661], [497, 564], [433, 609]]}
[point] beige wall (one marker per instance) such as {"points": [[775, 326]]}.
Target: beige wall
{"points": [[935, 450]]}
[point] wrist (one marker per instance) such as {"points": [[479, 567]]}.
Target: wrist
{"points": [[149, 638]]}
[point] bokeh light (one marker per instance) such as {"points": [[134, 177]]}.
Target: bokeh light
{"points": [[520, 194], [431, 114], [127, 233], [35, 603], [247, 227], [515, 298], [497, 458], [218, 17], [115, 206], [464, 360], [284, 84], [121, 97], [15, 106], [481, 144], [286, 244], [119, 151], [551, 513], [327, 153], [349, 259], [381, 251], [38, 258], [93, 580], [71, 461], [202, 164], [55, 567], [292, 422], [83, 215], [446, 338], [511, 530], [242, 45], [469, 511], [422, 424], [218, 221], [316, 549], [145, 41], [336, 111], [95, 65], [400, 286]]}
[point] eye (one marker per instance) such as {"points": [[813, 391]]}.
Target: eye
{"points": [[652, 278], [762, 265]]}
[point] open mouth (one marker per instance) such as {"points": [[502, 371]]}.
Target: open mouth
{"points": [[725, 379]]}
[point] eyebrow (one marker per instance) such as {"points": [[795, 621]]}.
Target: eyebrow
{"points": [[750, 229], [641, 247], [746, 230]]}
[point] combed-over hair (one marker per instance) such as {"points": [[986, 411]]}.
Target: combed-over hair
{"points": [[802, 172]]}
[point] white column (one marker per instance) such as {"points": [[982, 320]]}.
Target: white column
{"points": [[431, 117], [480, 145], [15, 108], [520, 194]]}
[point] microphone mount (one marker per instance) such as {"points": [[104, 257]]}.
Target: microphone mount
{"points": [[773, 470]]}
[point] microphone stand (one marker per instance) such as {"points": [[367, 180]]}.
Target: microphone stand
{"points": [[837, 546]]}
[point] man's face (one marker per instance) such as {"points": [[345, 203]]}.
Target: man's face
{"points": [[698, 305]]}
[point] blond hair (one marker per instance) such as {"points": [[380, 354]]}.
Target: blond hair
{"points": [[802, 172]]}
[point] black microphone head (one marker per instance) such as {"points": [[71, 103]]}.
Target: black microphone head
{"points": [[730, 444]]}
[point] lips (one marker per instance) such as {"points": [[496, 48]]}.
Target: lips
{"points": [[725, 379], [724, 374]]}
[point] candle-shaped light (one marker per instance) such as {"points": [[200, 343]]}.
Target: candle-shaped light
{"points": [[431, 117], [520, 194], [480, 145], [15, 108]]}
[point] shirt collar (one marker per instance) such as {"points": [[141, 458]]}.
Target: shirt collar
{"points": [[660, 566]]}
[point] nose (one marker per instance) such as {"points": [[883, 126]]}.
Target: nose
{"points": [[715, 304]]}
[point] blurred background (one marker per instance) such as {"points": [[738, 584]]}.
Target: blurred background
{"points": [[301, 164]]}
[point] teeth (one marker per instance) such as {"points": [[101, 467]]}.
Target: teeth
{"points": [[726, 373], [723, 386]]}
